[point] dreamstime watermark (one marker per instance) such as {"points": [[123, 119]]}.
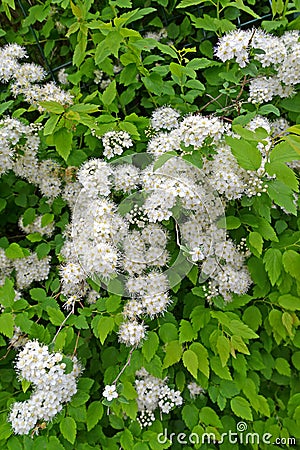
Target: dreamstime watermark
{"points": [[240, 436]]}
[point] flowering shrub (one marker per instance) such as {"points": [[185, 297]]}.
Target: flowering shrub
{"points": [[149, 258]]}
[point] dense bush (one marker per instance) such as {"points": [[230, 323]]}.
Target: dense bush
{"points": [[149, 258]]}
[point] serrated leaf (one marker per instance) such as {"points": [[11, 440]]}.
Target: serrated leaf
{"points": [[241, 408], [173, 353], [202, 355], [7, 324], [190, 361], [291, 263], [255, 242], [53, 107], [150, 345], [190, 415], [186, 332], [289, 302], [28, 216], [247, 154], [282, 367], [7, 293], [15, 251], [282, 195], [62, 139], [223, 347], [209, 417], [126, 440], [94, 414], [239, 328], [238, 344], [54, 444], [50, 125], [104, 327], [55, 315], [273, 264], [68, 429], [109, 94], [218, 369]]}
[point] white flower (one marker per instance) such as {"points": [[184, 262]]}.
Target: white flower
{"points": [[110, 392]]}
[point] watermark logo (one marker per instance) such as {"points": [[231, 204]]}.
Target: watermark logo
{"points": [[240, 436]]}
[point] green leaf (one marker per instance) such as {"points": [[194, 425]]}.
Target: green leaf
{"points": [[223, 347], [241, 408], [282, 153], [190, 361], [265, 110], [291, 263], [51, 124], [15, 251], [239, 328], [238, 344], [55, 315], [173, 353], [68, 429], [232, 222], [150, 345], [190, 415], [273, 264], [187, 3], [218, 369], [104, 327], [283, 173], [289, 302], [53, 107], [255, 243], [282, 195], [62, 139], [109, 94], [246, 153], [25, 385], [7, 324], [3, 204], [42, 250], [209, 417], [94, 414], [54, 444], [28, 216], [46, 219], [7, 293], [202, 355], [252, 317], [186, 332], [168, 332], [5, 105], [126, 440], [282, 367]]}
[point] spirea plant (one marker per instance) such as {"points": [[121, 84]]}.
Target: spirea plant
{"points": [[149, 250]]}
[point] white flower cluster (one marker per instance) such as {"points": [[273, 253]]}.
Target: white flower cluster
{"points": [[195, 389], [153, 394], [164, 118], [282, 54], [19, 145], [26, 76], [52, 386], [28, 269], [114, 143], [126, 245], [31, 268]]}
